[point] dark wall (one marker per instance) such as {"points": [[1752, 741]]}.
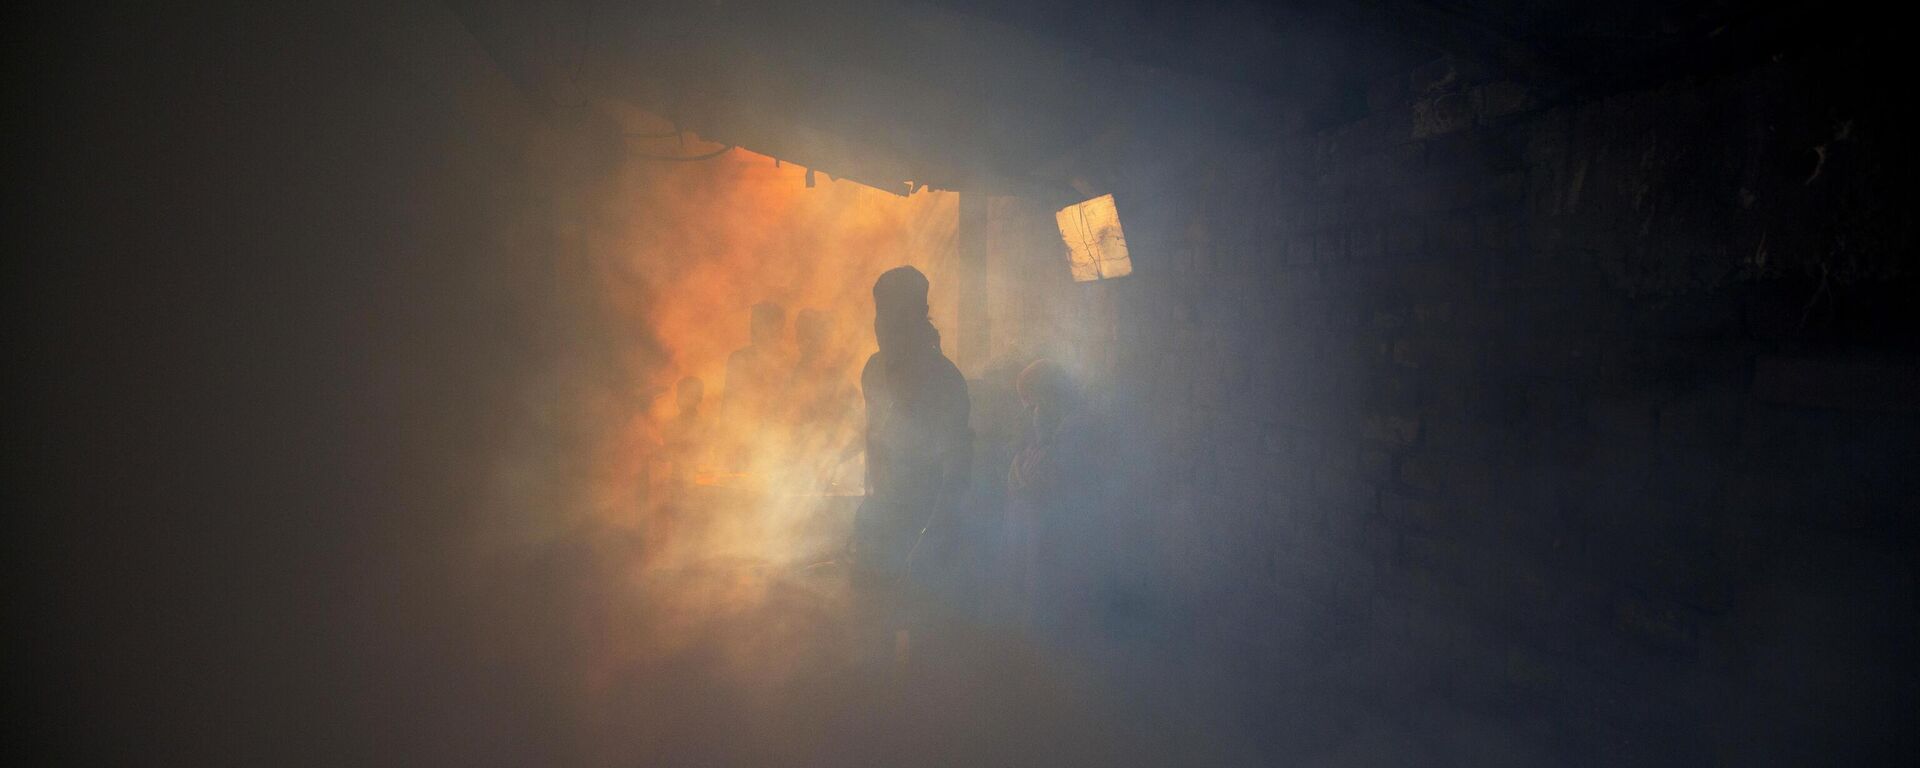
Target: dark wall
{"points": [[1532, 427], [285, 275]]}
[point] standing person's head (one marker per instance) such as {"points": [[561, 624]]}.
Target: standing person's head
{"points": [[900, 321], [688, 394], [1046, 388], [812, 331], [768, 321]]}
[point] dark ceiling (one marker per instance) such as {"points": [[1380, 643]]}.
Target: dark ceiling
{"points": [[1297, 46], [1014, 95]]}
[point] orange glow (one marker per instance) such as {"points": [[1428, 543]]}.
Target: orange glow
{"points": [[712, 238], [698, 244], [674, 546]]}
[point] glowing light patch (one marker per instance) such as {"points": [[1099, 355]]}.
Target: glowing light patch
{"points": [[1096, 246]]}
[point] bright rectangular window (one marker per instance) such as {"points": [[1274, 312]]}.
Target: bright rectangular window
{"points": [[1096, 246]]}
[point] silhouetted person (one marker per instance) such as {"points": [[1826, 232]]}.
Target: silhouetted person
{"points": [[684, 438], [822, 400], [998, 421], [919, 447], [684, 446], [757, 376], [1056, 505]]}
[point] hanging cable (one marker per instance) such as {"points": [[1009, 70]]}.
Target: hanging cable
{"points": [[686, 158], [579, 62]]}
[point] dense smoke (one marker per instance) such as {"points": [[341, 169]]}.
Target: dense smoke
{"points": [[678, 589], [692, 247], [680, 599]]}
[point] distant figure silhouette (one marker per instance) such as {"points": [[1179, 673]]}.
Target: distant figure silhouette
{"points": [[683, 451], [684, 438], [822, 400], [919, 450], [1056, 508], [756, 382]]}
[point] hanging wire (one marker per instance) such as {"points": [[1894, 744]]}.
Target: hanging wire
{"points": [[686, 158], [579, 62]]}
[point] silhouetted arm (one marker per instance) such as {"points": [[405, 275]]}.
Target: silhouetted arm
{"points": [[956, 454], [869, 392]]}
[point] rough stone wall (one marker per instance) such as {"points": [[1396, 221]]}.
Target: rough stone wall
{"points": [[1530, 426]]}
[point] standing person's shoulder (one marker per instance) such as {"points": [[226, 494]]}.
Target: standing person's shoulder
{"points": [[870, 371], [740, 358]]}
